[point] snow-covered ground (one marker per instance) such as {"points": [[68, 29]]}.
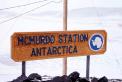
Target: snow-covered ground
{"points": [[108, 64]]}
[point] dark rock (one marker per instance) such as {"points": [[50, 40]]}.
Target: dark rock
{"points": [[34, 76], [74, 76], [94, 79], [103, 79], [82, 80]]}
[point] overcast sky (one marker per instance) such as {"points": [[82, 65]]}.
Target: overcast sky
{"points": [[72, 3]]}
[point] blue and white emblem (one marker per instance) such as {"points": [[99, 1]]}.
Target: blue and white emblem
{"points": [[96, 42]]}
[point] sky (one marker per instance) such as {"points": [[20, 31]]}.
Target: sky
{"points": [[112, 23], [73, 4]]}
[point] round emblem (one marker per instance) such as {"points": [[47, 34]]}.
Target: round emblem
{"points": [[96, 42]]}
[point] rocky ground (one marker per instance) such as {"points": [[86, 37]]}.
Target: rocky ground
{"points": [[73, 77]]}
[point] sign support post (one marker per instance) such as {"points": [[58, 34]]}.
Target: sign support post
{"points": [[65, 29], [87, 67], [23, 68]]}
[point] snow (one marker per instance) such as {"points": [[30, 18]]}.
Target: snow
{"points": [[108, 64]]}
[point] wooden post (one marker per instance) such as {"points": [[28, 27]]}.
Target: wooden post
{"points": [[65, 29]]}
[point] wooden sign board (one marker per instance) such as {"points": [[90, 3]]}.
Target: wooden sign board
{"points": [[43, 45]]}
